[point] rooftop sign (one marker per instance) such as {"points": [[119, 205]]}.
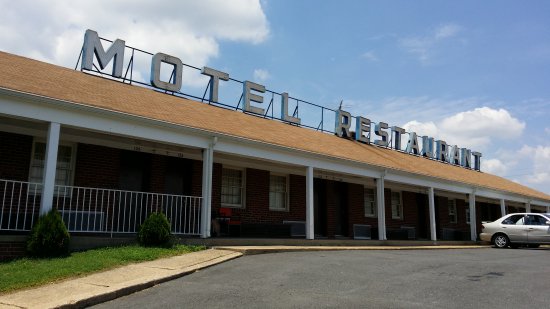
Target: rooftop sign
{"points": [[253, 97]]}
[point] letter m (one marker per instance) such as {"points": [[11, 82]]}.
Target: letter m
{"points": [[92, 45]]}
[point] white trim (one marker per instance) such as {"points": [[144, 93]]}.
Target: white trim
{"points": [[71, 145], [310, 229], [287, 193], [242, 205], [473, 223], [401, 216], [375, 208], [451, 203], [50, 168], [380, 201], [66, 113]]}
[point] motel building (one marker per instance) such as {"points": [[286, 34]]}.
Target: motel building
{"points": [[106, 150]]}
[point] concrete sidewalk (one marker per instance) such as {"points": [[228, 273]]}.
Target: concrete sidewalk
{"points": [[107, 285], [111, 284]]}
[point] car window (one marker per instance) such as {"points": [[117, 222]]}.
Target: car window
{"points": [[515, 219], [536, 220]]}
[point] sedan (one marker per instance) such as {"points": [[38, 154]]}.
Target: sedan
{"points": [[514, 230]]}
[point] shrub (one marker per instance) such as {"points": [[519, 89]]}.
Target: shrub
{"points": [[155, 231], [49, 236]]}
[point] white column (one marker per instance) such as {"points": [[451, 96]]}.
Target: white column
{"points": [[50, 166], [431, 203], [502, 207], [310, 228], [473, 223], [528, 207], [381, 204], [206, 211]]}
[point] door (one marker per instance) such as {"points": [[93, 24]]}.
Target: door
{"points": [[423, 215], [320, 207], [515, 228], [130, 208], [538, 231]]}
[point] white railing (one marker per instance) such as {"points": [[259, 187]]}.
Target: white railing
{"points": [[96, 210]]}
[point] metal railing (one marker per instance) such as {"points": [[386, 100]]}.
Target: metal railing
{"points": [[96, 210]]}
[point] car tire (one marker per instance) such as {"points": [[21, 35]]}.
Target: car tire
{"points": [[534, 246], [501, 241]]}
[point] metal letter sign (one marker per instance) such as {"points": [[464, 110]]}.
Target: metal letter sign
{"points": [[284, 110], [383, 141], [343, 120], [342, 123], [92, 46], [215, 77], [397, 132], [362, 125], [157, 61], [248, 96], [412, 144]]}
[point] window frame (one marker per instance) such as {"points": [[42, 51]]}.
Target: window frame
{"points": [[393, 216], [243, 188], [287, 192], [72, 166], [374, 213], [453, 216], [467, 211]]}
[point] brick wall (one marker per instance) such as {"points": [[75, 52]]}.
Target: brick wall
{"points": [[256, 208], [158, 169], [15, 156], [97, 166], [11, 250], [331, 195]]}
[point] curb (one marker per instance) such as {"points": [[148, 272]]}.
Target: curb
{"points": [[253, 250], [98, 299], [91, 297]]}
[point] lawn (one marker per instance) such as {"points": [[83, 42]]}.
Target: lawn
{"points": [[27, 272]]}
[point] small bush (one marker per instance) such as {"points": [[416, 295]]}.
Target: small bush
{"points": [[49, 236], [155, 231]]}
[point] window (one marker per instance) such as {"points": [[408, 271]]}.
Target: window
{"points": [[536, 220], [452, 210], [65, 165], [232, 188], [370, 202], [278, 192], [467, 214], [396, 206]]}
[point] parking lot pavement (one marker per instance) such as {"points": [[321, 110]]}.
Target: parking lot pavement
{"points": [[481, 278]]}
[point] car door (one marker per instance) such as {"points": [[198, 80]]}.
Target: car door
{"points": [[514, 226], [538, 232]]}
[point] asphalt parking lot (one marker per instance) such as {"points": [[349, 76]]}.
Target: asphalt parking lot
{"points": [[471, 278]]}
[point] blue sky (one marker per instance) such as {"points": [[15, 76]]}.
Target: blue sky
{"points": [[473, 73]]}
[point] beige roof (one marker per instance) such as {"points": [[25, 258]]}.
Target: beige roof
{"points": [[35, 77]]}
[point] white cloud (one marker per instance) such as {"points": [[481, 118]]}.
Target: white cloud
{"points": [[495, 166], [53, 30], [447, 31], [370, 56], [423, 46], [540, 157], [422, 128], [481, 125], [261, 75], [476, 128]]}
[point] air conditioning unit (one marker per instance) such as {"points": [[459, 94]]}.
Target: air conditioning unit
{"points": [[361, 231]]}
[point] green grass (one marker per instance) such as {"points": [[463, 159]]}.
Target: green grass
{"points": [[24, 273]]}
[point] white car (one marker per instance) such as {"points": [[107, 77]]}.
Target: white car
{"points": [[514, 230]]}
